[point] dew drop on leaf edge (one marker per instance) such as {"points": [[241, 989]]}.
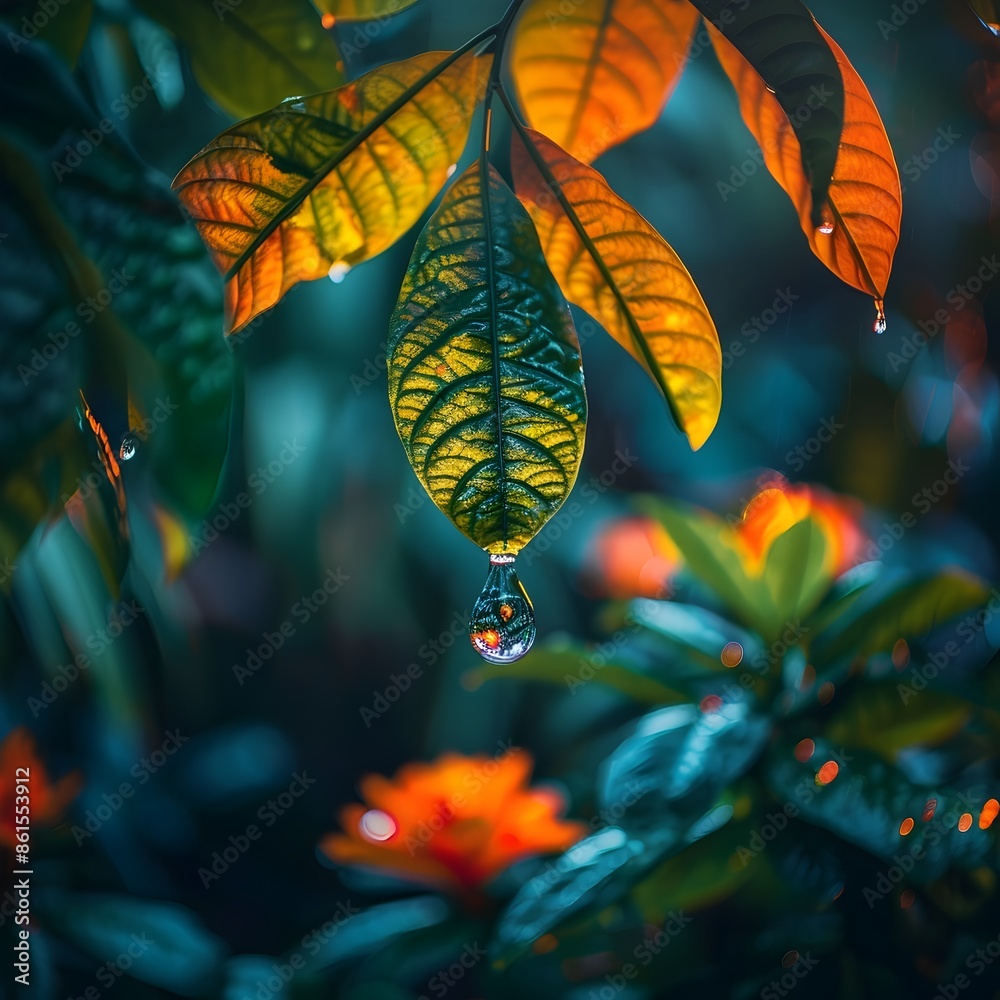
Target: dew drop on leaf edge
{"points": [[502, 627], [127, 448]]}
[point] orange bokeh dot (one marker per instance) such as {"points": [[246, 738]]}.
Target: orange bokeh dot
{"points": [[732, 654], [790, 958], [964, 822], [900, 654], [905, 827], [990, 810], [929, 810], [827, 772], [711, 703], [808, 677], [545, 944], [804, 749], [328, 20], [906, 899], [825, 692]]}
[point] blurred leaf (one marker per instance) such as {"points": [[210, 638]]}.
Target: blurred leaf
{"points": [[701, 537], [576, 666], [362, 10], [797, 573], [677, 762], [892, 610], [876, 717], [484, 368], [593, 74], [66, 33], [694, 629], [331, 180], [866, 803], [611, 262], [169, 946], [855, 231], [248, 55], [987, 12], [784, 55]]}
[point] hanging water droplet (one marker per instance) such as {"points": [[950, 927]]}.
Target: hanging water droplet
{"points": [[880, 323], [502, 628], [338, 271], [127, 448], [825, 226]]}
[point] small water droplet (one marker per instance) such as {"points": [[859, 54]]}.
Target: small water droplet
{"points": [[377, 825], [338, 271], [127, 448], [880, 323], [452, 169], [502, 628], [826, 226]]}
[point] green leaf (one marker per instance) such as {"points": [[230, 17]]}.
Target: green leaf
{"points": [[797, 574], [782, 42], [362, 10], [868, 800], [575, 666], [894, 609], [876, 717], [248, 55], [175, 952], [329, 181], [700, 537], [677, 762], [484, 368]]}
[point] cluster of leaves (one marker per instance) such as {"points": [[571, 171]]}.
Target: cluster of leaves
{"points": [[485, 378]]}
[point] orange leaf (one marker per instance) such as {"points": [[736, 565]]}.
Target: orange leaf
{"points": [[328, 181], [611, 262], [864, 202], [592, 77]]}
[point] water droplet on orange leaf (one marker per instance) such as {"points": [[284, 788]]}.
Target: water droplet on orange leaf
{"points": [[338, 271], [127, 449], [502, 628], [880, 324], [377, 825], [826, 226]]}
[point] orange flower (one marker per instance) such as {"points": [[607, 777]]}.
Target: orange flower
{"points": [[632, 557], [454, 824], [47, 801], [782, 505]]}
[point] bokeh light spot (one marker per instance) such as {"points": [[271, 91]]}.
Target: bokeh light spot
{"points": [[989, 813], [804, 749], [964, 822], [906, 826], [827, 772], [732, 654], [377, 825]]}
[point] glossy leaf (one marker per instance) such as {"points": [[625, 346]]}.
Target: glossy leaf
{"points": [[883, 614], [880, 717], [786, 51], [867, 801], [362, 10], [856, 231], [797, 572], [248, 55], [611, 262], [330, 179], [484, 368], [593, 74]]}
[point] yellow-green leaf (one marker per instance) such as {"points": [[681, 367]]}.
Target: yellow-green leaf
{"points": [[591, 75], [611, 262], [329, 180], [484, 368], [248, 55], [362, 10]]}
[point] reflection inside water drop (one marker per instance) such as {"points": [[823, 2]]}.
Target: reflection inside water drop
{"points": [[826, 226], [127, 448], [880, 323], [502, 628]]}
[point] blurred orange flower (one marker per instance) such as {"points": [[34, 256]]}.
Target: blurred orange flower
{"points": [[632, 557], [782, 505], [47, 801], [454, 823]]}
